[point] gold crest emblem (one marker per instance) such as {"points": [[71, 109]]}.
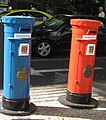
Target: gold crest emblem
{"points": [[22, 74]]}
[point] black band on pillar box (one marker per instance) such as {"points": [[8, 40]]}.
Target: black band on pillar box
{"points": [[78, 98], [15, 104]]}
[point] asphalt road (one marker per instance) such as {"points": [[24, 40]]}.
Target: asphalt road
{"points": [[46, 69]]}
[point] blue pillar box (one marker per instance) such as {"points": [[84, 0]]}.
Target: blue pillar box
{"points": [[17, 52]]}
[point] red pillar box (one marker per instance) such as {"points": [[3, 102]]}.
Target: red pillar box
{"points": [[81, 66]]}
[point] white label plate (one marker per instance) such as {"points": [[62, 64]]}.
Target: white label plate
{"points": [[18, 35], [89, 37]]}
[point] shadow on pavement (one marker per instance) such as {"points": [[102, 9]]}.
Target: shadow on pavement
{"points": [[70, 112]]}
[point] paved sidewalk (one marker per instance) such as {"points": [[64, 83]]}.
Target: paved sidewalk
{"points": [[49, 108]]}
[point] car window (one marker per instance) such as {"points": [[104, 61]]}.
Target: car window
{"points": [[38, 16], [18, 13], [3, 13], [54, 22]]}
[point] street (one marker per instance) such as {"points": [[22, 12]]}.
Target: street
{"points": [[49, 81], [49, 76], [48, 68]]}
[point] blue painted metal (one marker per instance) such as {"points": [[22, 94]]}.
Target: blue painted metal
{"points": [[13, 88], [1, 55]]}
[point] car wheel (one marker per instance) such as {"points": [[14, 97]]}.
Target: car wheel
{"points": [[43, 48]]}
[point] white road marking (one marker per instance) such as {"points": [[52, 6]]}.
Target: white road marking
{"points": [[98, 68], [52, 70], [38, 72], [61, 59], [35, 72], [100, 109]]}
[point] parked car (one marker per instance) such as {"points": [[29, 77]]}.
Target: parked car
{"points": [[40, 16], [55, 34]]}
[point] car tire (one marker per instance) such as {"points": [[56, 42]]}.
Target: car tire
{"points": [[43, 48]]}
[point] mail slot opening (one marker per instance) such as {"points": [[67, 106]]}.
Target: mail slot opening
{"points": [[24, 30], [92, 32]]}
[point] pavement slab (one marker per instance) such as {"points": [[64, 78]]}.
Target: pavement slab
{"points": [[48, 107]]}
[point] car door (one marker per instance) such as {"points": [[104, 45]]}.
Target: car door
{"points": [[66, 34]]}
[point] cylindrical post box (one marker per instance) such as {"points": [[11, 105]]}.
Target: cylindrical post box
{"points": [[82, 62], [17, 46]]}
